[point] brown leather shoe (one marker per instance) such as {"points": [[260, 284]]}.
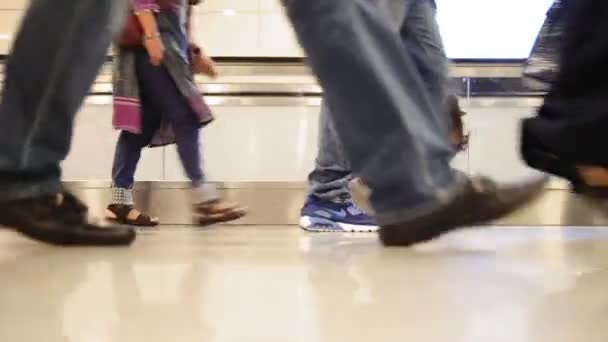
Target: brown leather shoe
{"points": [[481, 200], [217, 211], [60, 220], [587, 180]]}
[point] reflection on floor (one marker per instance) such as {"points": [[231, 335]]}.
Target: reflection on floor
{"points": [[280, 284]]}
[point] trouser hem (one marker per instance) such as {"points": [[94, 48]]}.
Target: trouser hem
{"points": [[11, 191]]}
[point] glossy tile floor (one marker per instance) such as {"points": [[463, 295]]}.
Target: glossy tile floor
{"points": [[280, 284]]}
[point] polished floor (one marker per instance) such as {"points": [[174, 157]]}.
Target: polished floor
{"points": [[263, 284]]}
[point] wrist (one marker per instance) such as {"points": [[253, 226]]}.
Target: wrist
{"points": [[152, 36]]}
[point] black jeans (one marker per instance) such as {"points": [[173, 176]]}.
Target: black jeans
{"points": [[573, 121], [58, 51]]}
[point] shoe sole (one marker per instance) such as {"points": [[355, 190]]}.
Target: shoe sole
{"points": [[125, 223], [404, 235], [203, 221], [307, 225], [68, 239]]}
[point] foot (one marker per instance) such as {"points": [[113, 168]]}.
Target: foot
{"points": [[481, 200], [128, 214], [217, 211], [328, 216], [60, 220], [589, 180]]}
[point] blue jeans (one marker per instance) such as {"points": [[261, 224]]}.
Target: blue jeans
{"points": [[160, 100], [386, 100], [57, 53], [331, 176]]}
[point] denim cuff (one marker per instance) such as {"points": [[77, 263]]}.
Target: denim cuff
{"points": [[19, 190]]}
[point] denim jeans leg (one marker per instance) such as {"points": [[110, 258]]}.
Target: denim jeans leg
{"points": [[422, 38], [56, 55], [331, 176], [382, 114]]}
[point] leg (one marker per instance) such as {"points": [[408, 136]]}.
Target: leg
{"points": [[421, 36], [422, 39], [56, 55], [329, 206], [405, 158], [162, 93], [568, 135], [164, 97], [331, 176], [384, 123], [126, 157], [128, 151]]}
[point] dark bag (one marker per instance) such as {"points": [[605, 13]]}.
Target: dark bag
{"points": [[132, 35], [540, 70]]}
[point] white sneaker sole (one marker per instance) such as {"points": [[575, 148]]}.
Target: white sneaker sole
{"points": [[307, 225]]}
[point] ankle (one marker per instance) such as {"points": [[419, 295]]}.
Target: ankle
{"points": [[122, 196], [204, 193]]}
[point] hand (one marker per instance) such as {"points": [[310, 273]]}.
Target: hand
{"points": [[203, 64], [156, 50]]}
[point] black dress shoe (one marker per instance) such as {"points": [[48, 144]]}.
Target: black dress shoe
{"points": [[589, 180], [60, 220], [539, 156], [481, 200]]}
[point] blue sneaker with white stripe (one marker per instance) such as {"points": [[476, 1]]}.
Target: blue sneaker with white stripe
{"points": [[320, 215]]}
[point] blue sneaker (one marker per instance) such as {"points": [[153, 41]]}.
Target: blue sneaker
{"points": [[320, 215]]}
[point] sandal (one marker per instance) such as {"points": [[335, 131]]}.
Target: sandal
{"points": [[217, 212], [127, 214]]}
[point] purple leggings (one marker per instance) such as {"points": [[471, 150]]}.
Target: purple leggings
{"points": [[160, 100]]}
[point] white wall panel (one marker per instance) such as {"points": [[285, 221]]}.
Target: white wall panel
{"points": [[228, 35], [256, 144], [227, 28], [9, 23], [222, 5], [271, 6], [494, 143], [93, 149], [13, 4], [490, 28], [256, 28], [278, 144], [277, 38]]}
